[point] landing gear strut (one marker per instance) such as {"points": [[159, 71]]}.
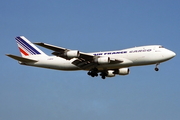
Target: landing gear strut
{"points": [[156, 68]]}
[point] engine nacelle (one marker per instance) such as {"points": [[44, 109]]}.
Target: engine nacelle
{"points": [[102, 60], [110, 73], [123, 71], [72, 54]]}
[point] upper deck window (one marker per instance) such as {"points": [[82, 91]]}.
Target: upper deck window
{"points": [[161, 47]]}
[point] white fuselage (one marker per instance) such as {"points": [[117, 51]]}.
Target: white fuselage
{"points": [[137, 56]]}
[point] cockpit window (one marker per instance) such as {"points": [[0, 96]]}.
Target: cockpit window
{"points": [[161, 47]]}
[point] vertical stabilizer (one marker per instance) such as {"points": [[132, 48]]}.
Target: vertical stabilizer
{"points": [[27, 48]]}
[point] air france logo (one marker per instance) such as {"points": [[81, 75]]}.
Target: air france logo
{"points": [[123, 52]]}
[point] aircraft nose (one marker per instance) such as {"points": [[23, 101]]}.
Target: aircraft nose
{"points": [[171, 54]]}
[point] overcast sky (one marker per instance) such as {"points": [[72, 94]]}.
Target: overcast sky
{"points": [[29, 93]]}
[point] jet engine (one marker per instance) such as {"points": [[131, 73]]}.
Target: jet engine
{"points": [[72, 54], [123, 71], [110, 73], [102, 60]]}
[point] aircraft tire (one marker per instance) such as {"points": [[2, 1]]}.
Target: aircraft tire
{"points": [[103, 77], [156, 69]]}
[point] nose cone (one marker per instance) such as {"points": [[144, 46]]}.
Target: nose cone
{"points": [[166, 55], [171, 54]]}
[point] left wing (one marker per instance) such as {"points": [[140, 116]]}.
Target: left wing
{"points": [[83, 60]]}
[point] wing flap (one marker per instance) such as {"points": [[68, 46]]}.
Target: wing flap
{"points": [[21, 58], [84, 64]]}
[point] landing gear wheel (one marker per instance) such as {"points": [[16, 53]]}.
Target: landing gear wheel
{"points": [[93, 72], [103, 77], [92, 75], [156, 69], [89, 73]]}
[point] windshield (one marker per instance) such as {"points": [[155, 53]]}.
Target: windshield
{"points": [[161, 47]]}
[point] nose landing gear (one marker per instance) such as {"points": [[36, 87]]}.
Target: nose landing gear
{"points": [[156, 68]]}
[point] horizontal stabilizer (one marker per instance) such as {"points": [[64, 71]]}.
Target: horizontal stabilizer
{"points": [[21, 58]]}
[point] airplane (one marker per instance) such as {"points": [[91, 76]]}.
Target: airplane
{"points": [[106, 64]]}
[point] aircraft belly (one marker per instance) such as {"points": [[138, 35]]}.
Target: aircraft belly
{"points": [[55, 63], [114, 66]]}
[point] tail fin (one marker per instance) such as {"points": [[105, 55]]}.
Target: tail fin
{"points": [[27, 48]]}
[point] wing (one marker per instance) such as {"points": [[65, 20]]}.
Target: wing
{"points": [[83, 61], [59, 51], [52, 47]]}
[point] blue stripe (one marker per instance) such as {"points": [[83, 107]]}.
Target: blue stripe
{"points": [[29, 47], [24, 47]]}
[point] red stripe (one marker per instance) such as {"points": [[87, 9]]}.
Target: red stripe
{"points": [[22, 51]]}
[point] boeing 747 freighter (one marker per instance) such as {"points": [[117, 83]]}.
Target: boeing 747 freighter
{"points": [[106, 64]]}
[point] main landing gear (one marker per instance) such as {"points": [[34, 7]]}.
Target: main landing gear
{"points": [[103, 75], [93, 72], [156, 68]]}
